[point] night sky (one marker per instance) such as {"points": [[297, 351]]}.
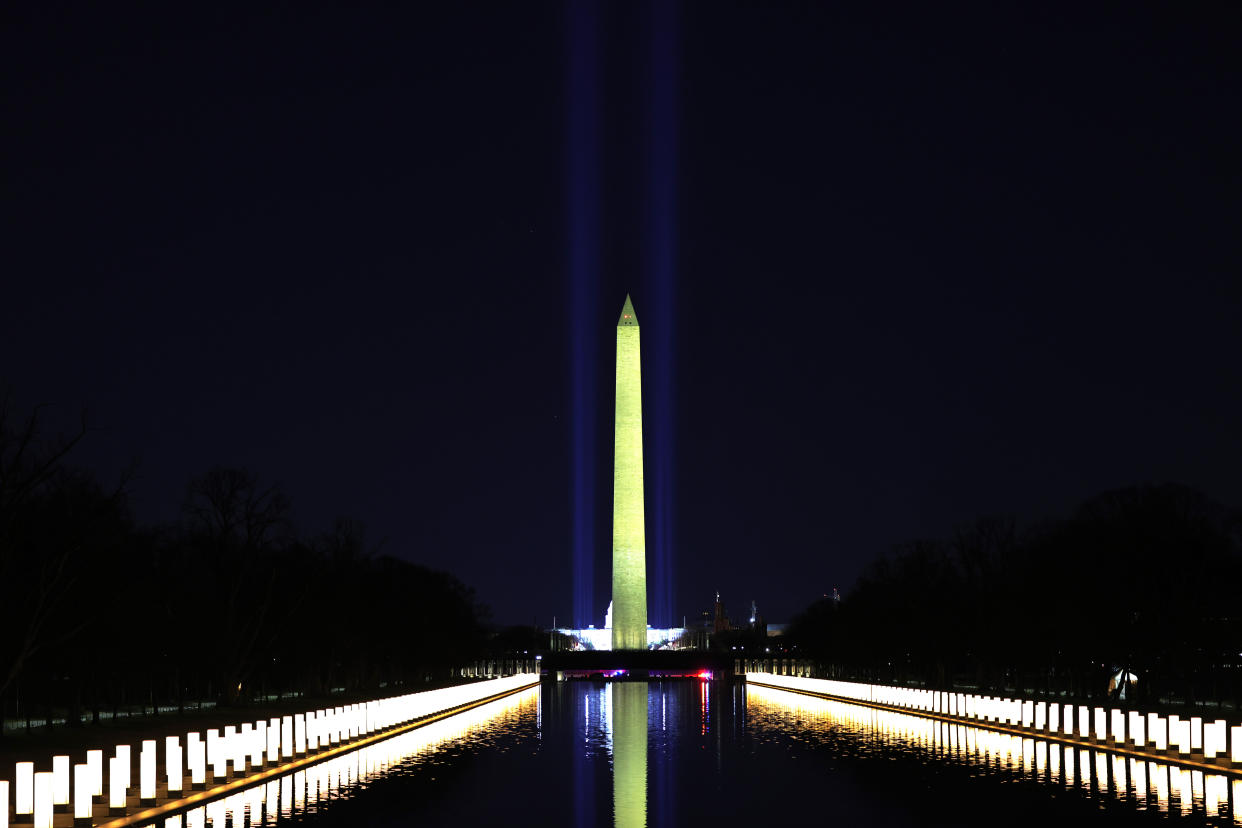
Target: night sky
{"points": [[896, 269]]}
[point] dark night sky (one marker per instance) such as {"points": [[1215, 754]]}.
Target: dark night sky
{"points": [[929, 267]]}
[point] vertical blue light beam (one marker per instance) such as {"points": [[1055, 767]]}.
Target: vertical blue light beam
{"points": [[661, 275], [583, 192]]}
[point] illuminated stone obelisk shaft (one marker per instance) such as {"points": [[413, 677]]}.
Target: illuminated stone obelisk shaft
{"points": [[629, 547]]}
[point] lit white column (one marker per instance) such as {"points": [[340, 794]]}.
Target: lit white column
{"points": [[1101, 725], [244, 743], [273, 741], [217, 755], [228, 746], [1196, 733], [196, 759], [94, 761], [44, 813], [60, 780], [146, 770], [83, 785], [174, 764], [212, 743], [1214, 735], [299, 734], [1118, 725], [23, 790], [124, 754], [1158, 731], [117, 784], [286, 737], [1183, 736], [260, 744], [242, 750], [1235, 755]]}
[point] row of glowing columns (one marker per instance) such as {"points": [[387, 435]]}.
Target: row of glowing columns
{"points": [[1152, 731], [1034, 755], [294, 792], [36, 795]]}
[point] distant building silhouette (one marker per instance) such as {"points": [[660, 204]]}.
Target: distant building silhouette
{"points": [[720, 621]]}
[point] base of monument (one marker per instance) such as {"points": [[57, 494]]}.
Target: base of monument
{"points": [[637, 665]]}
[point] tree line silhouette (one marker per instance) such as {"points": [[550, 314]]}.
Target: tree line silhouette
{"points": [[230, 604], [1145, 579]]}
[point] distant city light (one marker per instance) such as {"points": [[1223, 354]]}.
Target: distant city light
{"points": [[593, 638]]}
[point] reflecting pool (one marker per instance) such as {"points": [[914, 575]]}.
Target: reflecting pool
{"points": [[679, 752]]}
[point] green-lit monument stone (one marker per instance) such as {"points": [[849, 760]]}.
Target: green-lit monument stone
{"points": [[629, 546]]}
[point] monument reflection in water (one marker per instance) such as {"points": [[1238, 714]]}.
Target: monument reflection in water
{"points": [[629, 753]]}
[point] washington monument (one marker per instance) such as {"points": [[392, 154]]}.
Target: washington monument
{"points": [[629, 546]]}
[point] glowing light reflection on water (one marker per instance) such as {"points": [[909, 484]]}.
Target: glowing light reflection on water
{"points": [[1144, 785]]}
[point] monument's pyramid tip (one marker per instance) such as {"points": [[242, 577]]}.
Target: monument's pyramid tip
{"points": [[627, 313]]}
